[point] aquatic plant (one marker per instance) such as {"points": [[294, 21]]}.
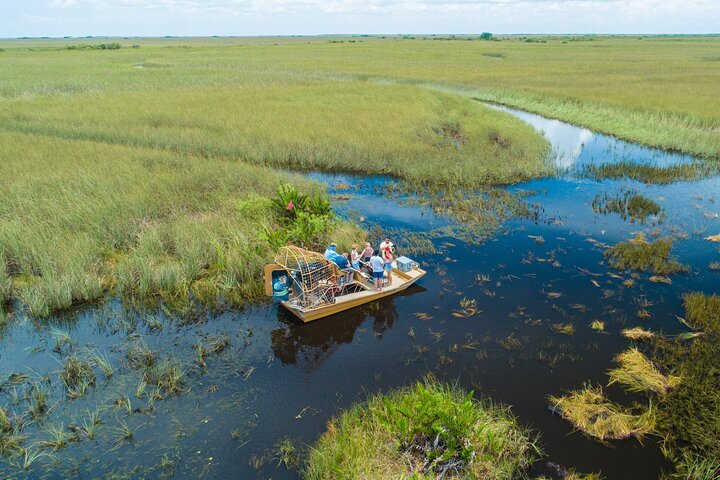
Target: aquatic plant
{"points": [[428, 430], [563, 328], [286, 453], [77, 375], [651, 174], [101, 361], [139, 356], [591, 412], [598, 325], [59, 438], [637, 333], [167, 376], [639, 254], [38, 395], [638, 374], [702, 311], [628, 204]]}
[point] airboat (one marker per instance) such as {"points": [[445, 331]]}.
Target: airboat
{"points": [[311, 287]]}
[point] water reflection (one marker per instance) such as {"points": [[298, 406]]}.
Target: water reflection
{"points": [[574, 146], [310, 344]]}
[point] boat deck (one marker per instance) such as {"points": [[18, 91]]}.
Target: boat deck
{"points": [[400, 281]]}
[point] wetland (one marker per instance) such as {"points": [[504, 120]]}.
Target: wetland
{"points": [[559, 292]]}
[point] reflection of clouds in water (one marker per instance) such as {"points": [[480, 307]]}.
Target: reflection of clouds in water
{"points": [[567, 141], [573, 145]]}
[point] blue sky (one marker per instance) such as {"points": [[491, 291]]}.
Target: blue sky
{"points": [[287, 17]]}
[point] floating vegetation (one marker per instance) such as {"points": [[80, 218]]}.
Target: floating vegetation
{"points": [[598, 325], [286, 453], [592, 413], [637, 333], [650, 174], [660, 279], [429, 430], [563, 328], [639, 254], [478, 213], [510, 342], [627, 203], [638, 374], [468, 308]]}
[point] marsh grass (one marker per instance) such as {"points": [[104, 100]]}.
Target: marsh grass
{"points": [[426, 430], [77, 376], [638, 374], [639, 254], [170, 230], [702, 311], [651, 174], [167, 376], [592, 413]]}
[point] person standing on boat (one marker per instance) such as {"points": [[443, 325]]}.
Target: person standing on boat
{"points": [[378, 267], [385, 244], [367, 252], [354, 257], [388, 260]]}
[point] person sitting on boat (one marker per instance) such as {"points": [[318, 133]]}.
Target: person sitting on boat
{"points": [[336, 258], [385, 244], [388, 260], [378, 266]]}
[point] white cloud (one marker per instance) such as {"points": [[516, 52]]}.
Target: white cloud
{"points": [[63, 3]]}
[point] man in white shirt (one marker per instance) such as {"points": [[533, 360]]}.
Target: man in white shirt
{"points": [[378, 266], [385, 244]]}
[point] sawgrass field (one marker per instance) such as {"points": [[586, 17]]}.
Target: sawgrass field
{"points": [[146, 169]]}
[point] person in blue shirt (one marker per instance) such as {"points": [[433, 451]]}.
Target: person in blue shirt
{"points": [[378, 267], [335, 257]]}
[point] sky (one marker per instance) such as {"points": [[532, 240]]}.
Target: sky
{"points": [[58, 18]]}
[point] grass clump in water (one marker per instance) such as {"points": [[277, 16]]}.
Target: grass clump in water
{"points": [[637, 333], [167, 376], [591, 412], [639, 254], [702, 311], [424, 431], [77, 376], [639, 374], [628, 204]]}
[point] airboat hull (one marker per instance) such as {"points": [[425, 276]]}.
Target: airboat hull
{"points": [[401, 281]]}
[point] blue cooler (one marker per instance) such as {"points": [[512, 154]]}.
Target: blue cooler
{"points": [[404, 264]]}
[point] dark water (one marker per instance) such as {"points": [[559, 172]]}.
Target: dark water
{"points": [[280, 379]]}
